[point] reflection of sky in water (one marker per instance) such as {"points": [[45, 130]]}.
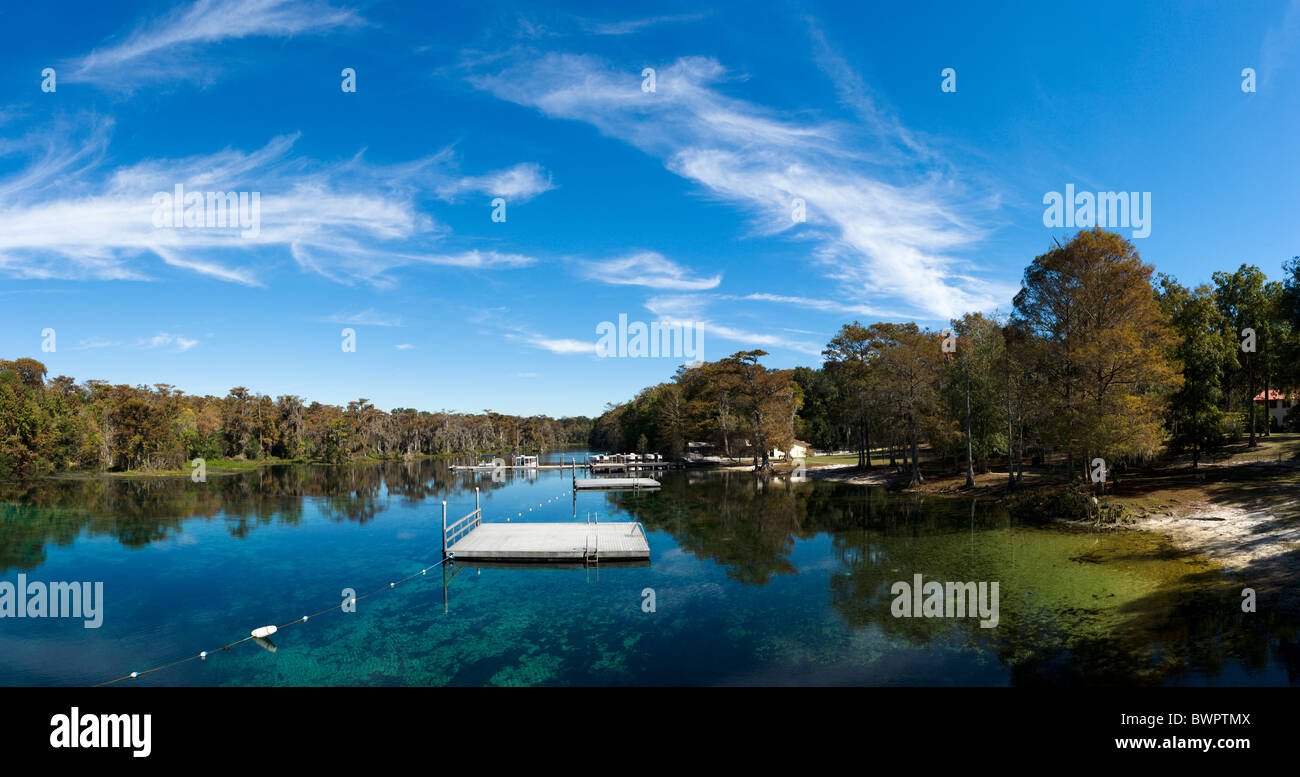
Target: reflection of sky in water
{"points": [[753, 585]]}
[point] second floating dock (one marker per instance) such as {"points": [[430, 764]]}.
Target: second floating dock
{"points": [[589, 483]]}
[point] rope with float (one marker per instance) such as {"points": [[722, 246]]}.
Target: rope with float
{"points": [[262, 632]]}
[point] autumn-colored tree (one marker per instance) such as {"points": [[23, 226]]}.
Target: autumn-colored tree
{"points": [[850, 363], [910, 365], [1103, 346], [139, 432], [975, 389], [766, 403]]}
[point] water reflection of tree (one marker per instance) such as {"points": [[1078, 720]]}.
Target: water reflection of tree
{"points": [[140, 511], [746, 525], [1191, 624]]}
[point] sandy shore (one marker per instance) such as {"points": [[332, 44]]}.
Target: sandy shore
{"points": [[842, 473], [1233, 536], [1260, 541]]}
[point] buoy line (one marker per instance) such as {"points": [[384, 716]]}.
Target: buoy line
{"points": [[266, 631], [520, 514]]}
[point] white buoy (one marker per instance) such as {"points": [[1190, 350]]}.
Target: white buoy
{"points": [[263, 632], [203, 655]]}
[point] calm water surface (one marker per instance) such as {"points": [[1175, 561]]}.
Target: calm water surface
{"points": [[776, 583]]}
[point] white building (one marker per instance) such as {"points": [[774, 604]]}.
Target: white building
{"points": [[1278, 405], [798, 450]]}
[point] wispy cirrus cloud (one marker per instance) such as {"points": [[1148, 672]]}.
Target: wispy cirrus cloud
{"points": [[561, 345], [521, 182], [526, 26], [690, 310], [630, 26], [822, 305], [647, 268], [71, 216], [96, 342], [882, 230], [367, 317], [1280, 42], [167, 48], [167, 339]]}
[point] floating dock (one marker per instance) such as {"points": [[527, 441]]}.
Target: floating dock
{"points": [[552, 542], [590, 483], [618, 465], [575, 467]]}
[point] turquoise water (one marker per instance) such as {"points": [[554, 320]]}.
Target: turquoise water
{"points": [[753, 582]]}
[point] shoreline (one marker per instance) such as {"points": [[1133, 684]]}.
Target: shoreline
{"points": [[1256, 538]]}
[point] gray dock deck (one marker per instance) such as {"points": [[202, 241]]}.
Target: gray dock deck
{"points": [[552, 542], [587, 483]]}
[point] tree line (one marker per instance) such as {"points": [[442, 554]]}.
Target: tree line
{"points": [[735, 403], [57, 425], [1099, 357]]}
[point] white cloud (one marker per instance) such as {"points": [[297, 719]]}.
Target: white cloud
{"points": [[560, 345], [96, 342], [1280, 42], [165, 49], [367, 317], [689, 310], [404, 347], [880, 231], [635, 25], [521, 183], [68, 216], [822, 305], [163, 339], [647, 268]]}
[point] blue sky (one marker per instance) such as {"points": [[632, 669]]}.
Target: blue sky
{"points": [[670, 205]]}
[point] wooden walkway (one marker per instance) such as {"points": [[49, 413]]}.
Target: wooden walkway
{"points": [[574, 542]]}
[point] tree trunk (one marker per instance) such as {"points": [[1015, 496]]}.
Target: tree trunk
{"points": [[862, 442], [916, 464], [1020, 454], [1250, 394], [1268, 415], [970, 465], [1011, 437]]}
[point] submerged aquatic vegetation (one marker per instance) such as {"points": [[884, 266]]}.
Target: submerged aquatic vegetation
{"points": [[755, 582]]}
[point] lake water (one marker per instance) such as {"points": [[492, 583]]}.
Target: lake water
{"points": [[753, 584]]}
